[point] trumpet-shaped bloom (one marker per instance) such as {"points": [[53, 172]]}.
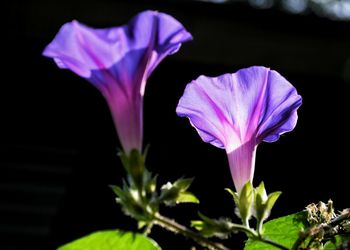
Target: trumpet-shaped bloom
{"points": [[238, 111], [118, 61]]}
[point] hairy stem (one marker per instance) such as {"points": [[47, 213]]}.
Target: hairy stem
{"points": [[314, 230], [175, 227]]}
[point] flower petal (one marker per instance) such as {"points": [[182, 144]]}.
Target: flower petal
{"points": [[280, 112], [231, 109], [136, 48], [205, 103], [81, 49], [118, 62]]}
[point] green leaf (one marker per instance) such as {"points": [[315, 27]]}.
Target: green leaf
{"points": [[112, 239], [187, 197], [284, 230]]}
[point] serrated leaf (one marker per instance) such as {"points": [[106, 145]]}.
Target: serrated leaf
{"points": [[284, 230], [112, 239], [187, 197]]}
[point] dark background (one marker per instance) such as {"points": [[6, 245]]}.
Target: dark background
{"points": [[58, 145]]}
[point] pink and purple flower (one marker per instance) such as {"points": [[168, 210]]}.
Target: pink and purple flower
{"points": [[118, 61], [238, 111]]}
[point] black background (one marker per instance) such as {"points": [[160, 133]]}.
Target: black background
{"points": [[58, 145]]}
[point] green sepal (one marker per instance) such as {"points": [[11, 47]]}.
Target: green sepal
{"points": [[271, 200], [131, 203], [261, 191], [119, 192], [175, 193], [141, 224], [187, 197], [151, 184], [150, 193], [264, 203], [134, 164], [221, 228], [246, 200], [234, 195]]}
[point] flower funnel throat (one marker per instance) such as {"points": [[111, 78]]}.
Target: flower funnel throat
{"points": [[238, 111], [118, 61]]}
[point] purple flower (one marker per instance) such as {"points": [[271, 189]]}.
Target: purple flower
{"points": [[118, 62], [238, 111]]}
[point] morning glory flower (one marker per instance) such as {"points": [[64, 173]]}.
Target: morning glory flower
{"points": [[238, 111], [118, 61]]}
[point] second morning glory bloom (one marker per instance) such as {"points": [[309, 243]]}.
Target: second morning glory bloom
{"points": [[238, 111], [118, 61]]}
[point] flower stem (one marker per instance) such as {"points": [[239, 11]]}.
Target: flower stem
{"points": [[259, 227], [175, 227]]}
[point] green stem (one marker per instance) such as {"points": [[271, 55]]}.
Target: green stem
{"points": [[173, 226], [259, 227], [246, 223], [148, 229], [248, 231]]}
